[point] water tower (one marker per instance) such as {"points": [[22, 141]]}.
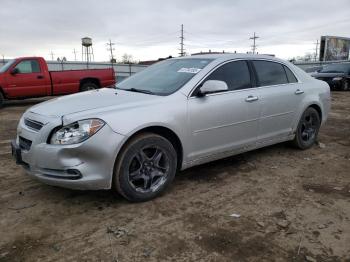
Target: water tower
{"points": [[87, 52]]}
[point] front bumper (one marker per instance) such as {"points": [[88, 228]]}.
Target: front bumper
{"points": [[87, 165]]}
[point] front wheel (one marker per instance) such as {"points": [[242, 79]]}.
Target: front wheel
{"points": [[307, 131], [145, 167]]}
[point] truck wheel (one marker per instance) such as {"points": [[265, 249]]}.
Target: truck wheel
{"points": [[2, 100], [145, 167], [88, 86], [307, 131], [345, 85]]}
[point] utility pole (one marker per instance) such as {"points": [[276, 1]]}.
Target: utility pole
{"points": [[182, 50], [110, 48], [52, 55], [75, 54], [254, 45], [316, 50], [3, 59]]}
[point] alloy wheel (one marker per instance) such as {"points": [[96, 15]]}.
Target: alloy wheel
{"points": [[309, 127], [148, 169]]}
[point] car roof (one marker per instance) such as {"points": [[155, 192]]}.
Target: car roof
{"points": [[228, 56], [232, 56], [28, 57], [223, 57]]}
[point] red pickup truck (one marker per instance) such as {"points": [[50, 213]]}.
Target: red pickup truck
{"points": [[30, 77]]}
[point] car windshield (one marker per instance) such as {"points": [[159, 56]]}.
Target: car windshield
{"points": [[6, 66], [336, 68], [164, 78]]}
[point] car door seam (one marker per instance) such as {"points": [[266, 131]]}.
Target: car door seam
{"points": [[222, 126]]}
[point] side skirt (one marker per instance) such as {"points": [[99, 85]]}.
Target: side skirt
{"points": [[237, 151]]}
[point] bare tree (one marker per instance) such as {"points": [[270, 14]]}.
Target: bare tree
{"points": [[127, 59]]}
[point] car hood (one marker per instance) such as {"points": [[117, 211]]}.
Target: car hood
{"points": [[325, 75], [90, 100]]}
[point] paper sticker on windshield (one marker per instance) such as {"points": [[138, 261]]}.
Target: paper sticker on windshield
{"points": [[191, 70]]}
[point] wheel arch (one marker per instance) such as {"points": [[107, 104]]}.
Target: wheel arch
{"points": [[2, 92], [314, 105], [163, 131], [317, 108], [90, 80]]}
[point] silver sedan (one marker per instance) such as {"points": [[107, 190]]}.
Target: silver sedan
{"points": [[173, 115]]}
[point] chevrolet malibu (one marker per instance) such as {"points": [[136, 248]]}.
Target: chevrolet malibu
{"points": [[173, 115]]}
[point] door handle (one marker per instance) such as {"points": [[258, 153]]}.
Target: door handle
{"points": [[251, 98], [299, 92], [40, 77]]}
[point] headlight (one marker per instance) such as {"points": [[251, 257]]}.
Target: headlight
{"points": [[76, 132], [338, 78]]}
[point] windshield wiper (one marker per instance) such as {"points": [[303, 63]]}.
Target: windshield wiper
{"points": [[139, 91]]}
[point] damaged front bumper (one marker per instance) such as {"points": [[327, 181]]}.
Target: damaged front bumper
{"points": [[86, 165]]}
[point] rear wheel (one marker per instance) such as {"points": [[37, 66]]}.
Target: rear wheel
{"points": [[145, 167], [345, 85], [2, 100], [88, 86], [307, 131]]}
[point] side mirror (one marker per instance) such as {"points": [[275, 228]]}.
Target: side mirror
{"points": [[212, 86], [14, 71]]}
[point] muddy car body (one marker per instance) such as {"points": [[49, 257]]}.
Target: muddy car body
{"points": [[173, 115]]}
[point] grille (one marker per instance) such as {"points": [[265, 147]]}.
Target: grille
{"points": [[35, 125], [24, 143]]}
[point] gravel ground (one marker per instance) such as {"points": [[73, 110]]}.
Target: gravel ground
{"points": [[287, 205]]}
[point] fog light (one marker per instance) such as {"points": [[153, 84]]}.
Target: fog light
{"points": [[74, 173]]}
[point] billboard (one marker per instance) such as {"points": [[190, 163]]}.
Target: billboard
{"points": [[334, 48]]}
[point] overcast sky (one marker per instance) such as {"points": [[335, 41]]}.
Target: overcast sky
{"points": [[148, 29]]}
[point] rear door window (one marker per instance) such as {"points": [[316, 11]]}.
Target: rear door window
{"points": [[270, 73], [291, 77]]}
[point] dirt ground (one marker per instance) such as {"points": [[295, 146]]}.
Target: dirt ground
{"points": [[292, 206]]}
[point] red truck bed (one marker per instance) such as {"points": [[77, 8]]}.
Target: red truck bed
{"points": [[29, 77], [65, 82]]}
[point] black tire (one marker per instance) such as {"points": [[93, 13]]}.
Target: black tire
{"points": [[345, 85], [2, 100], [145, 167], [307, 131], [88, 86]]}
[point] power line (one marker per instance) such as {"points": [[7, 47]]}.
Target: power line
{"points": [[254, 44], [196, 40], [182, 50], [156, 37], [304, 30]]}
